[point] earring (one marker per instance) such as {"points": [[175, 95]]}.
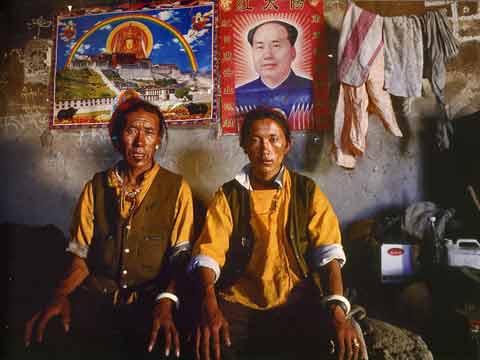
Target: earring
{"points": [[156, 147]]}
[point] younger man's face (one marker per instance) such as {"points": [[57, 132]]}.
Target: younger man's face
{"points": [[266, 147]]}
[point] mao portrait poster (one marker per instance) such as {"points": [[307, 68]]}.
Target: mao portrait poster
{"points": [[163, 53], [272, 53]]}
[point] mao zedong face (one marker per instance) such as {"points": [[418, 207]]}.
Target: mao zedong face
{"points": [[272, 53], [266, 147], [139, 137]]}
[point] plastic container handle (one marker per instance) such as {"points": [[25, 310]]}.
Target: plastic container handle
{"points": [[467, 241]]}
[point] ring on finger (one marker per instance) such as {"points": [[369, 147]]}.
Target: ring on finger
{"points": [[356, 344]]}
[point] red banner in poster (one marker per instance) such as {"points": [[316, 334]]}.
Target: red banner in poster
{"points": [[272, 53]]}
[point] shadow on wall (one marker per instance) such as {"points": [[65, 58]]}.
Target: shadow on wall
{"points": [[401, 107], [194, 163], [439, 179], [29, 196], [42, 175], [307, 151]]}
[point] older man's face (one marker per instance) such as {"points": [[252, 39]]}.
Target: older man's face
{"points": [[139, 138], [272, 54]]}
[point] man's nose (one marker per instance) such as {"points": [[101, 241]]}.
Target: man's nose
{"points": [[266, 146], [268, 53], [140, 138]]}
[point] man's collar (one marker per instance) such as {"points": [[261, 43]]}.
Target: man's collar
{"points": [[115, 175], [243, 177], [280, 83]]}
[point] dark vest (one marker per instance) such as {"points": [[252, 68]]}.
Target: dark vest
{"points": [[130, 254], [242, 240]]}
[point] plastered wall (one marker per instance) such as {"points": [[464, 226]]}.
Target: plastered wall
{"points": [[43, 171]]}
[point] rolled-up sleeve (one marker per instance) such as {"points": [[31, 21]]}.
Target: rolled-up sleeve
{"points": [[81, 228], [212, 245], [324, 232], [181, 235]]}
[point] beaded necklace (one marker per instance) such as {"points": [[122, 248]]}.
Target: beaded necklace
{"points": [[127, 195]]}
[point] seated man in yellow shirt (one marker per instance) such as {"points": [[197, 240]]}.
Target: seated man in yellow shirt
{"points": [[268, 259], [130, 243]]}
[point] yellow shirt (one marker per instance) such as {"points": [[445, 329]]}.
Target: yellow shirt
{"points": [[272, 273], [82, 226]]}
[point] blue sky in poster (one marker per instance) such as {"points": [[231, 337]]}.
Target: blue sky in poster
{"points": [[166, 47]]}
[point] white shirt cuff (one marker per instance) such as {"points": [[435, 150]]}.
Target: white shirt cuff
{"points": [[77, 249], [322, 255], [204, 261]]}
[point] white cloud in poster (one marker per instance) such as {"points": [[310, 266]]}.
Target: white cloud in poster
{"points": [[164, 15], [168, 16], [83, 48], [193, 36]]}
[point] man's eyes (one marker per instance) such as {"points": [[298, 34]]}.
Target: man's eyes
{"points": [[271, 139], [133, 131], [274, 45]]}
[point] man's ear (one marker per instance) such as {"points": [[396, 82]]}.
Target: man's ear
{"points": [[294, 53], [118, 147], [116, 144], [288, 147]]}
